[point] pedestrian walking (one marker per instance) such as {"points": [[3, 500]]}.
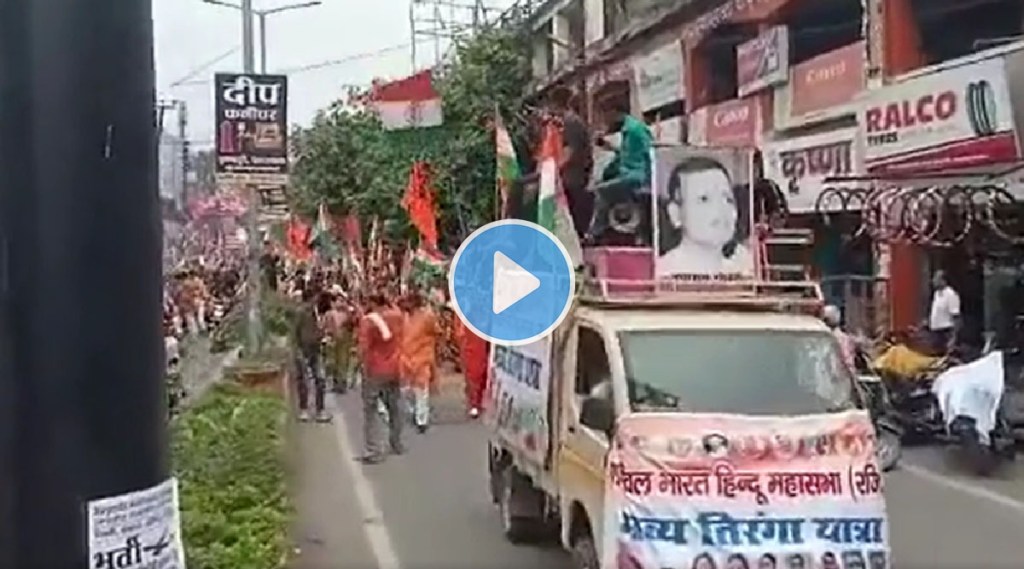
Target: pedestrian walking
{"points": [[473, 353], [307, 359], [944, 317], [419, 357], [380, 334], [338, 328]]}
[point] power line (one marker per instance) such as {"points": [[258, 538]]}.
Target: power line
{"points": [[204, 67], [317, 66]]}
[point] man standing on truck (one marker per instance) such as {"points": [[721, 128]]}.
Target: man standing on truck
{"points": [[380, 333], [577, 159]]}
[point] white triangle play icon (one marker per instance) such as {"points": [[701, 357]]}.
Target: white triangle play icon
{"points": [[512, 283]]}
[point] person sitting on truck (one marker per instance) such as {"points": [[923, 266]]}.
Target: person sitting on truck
{"points": [[627, 173]]}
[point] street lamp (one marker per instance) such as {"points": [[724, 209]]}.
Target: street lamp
{"points": [[246, 8]]}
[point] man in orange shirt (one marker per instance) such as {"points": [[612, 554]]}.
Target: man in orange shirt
{"points": [[419, 357], [380, 334]]}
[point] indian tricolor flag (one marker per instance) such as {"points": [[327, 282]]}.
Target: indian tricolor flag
{"points": [[408, 103], [320, 239], [552, 205], [507, 165]]}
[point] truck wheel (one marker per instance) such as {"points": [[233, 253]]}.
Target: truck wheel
{"points": [[584, 553], [517, 529]]}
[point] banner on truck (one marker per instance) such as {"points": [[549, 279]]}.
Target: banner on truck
{"points": [[710, 491], [520, 381]]}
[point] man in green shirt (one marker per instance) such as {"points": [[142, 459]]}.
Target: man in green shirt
{"points": [[628, 172]]}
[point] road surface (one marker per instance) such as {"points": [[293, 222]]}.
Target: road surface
{"points": [[430, 508]]}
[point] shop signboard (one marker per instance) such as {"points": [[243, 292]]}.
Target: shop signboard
{"points": [[801, 165], [668, 131], [955, 118], [822, 88], [763, 61], [658, 76], [731, 123], [252, 128]]}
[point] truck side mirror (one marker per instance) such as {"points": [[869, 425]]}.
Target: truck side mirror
{"points": [[598, 414]]}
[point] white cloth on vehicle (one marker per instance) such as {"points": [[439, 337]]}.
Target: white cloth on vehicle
{"points": [[973, 390]]}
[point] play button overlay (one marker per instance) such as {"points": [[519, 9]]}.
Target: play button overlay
{"points": [[511, 282]]}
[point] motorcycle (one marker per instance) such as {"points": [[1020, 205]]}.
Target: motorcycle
{"points": [[970, 397], [908, 392], [888, 430]]}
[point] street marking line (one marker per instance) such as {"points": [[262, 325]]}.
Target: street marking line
{"points": [[377, 534], [972, 490]]}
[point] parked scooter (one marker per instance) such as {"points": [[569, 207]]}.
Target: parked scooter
{"points": [[970, 397]]}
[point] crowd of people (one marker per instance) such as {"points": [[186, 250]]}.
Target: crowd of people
{"points": [[389, 341], [202, 284]]}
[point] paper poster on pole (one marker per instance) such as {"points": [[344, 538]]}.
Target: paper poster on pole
{"points": [[139, 529], [707, 491], [520, 381]]}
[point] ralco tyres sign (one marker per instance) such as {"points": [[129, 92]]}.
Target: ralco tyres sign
{"points": [[955, 118]]}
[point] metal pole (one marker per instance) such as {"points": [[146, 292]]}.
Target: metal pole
{"points": [[263, 41], [183, 137], [248, 49], [254, 333], [82, 404]]}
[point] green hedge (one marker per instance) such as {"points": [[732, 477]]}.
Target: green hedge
{"points": [[229, 456]]}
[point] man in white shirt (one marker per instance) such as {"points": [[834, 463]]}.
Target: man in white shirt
{"points": [[944, 319]]}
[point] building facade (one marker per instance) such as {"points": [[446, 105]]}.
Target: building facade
{"points": [[868, 92]]}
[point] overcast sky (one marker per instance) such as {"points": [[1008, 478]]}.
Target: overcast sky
{"points": [[373, 35]]}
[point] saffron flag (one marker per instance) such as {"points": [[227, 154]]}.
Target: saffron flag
{"points": [[552, 205], [298, 239], [507, 164], [419, 204], [408, 103]]}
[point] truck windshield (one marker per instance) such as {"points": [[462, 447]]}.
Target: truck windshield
{"points": [[748, 372]]}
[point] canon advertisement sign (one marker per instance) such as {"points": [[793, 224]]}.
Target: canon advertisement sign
{"points": [[951, 119]]}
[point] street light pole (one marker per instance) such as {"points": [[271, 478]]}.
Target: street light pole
{"points": [[253, 281], [263, 41], [248, 57]]}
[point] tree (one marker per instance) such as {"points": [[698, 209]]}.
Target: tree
{"points": [[346, 158]]}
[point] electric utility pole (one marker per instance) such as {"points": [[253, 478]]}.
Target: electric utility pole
{"points": [[82, 405]]}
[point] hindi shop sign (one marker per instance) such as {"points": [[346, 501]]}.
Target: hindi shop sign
{"points": [[738, 491], [801, 165], [520, 380], [252, 128], [959, 117], [659, 76], [763, 61]]}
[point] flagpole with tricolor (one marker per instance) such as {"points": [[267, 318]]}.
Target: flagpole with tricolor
{"points": [[552, 204], [320, 238], [507, 165]]}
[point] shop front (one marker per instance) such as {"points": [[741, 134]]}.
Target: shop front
{"points": [[802, 167], [942, 145]]}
